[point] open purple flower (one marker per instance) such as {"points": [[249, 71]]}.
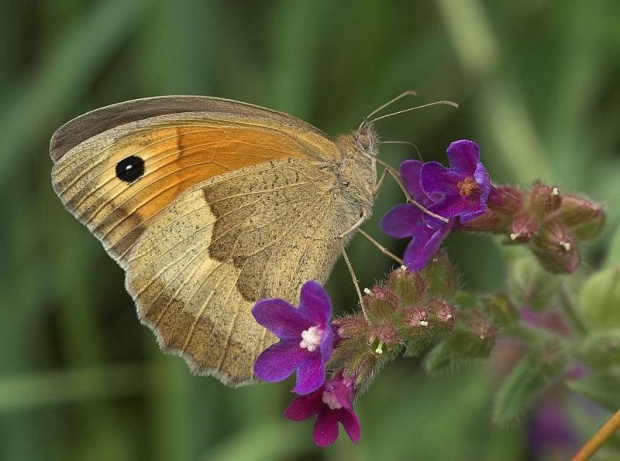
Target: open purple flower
{"points": [[459, 191], [333, 404], [407, 220], [306, 338]]}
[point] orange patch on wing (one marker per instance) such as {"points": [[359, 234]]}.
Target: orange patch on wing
{"points": [[177, 158]]}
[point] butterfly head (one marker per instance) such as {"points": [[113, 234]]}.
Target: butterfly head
{"points": [[366, 139]]}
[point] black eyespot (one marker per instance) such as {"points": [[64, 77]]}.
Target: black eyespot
{"points": [[129, 169]]}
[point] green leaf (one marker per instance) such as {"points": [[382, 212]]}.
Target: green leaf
{"points": [[530, 285], [442, 360], [526, 383], [602, 387], [599, 300], [601, 349]]}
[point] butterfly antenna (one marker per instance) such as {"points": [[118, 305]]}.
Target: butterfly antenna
{"points": [[434, 103], [405, 142], [404, 94]]}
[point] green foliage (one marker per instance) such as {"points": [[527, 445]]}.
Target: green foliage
{"points": [[599, 300], [613, 256], [601, 349], [601, 386], [531, 285], [526, 383]]}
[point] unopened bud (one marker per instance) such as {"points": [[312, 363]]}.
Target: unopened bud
{"points": [[440, 277], [381, 303], [383, 335], [583, 217], [505, 200], [474, 335], [441, 315], [555, 248], [491, 221], [416, 318], [407, 285], [544, 200], [523, 228], [351, 327]]}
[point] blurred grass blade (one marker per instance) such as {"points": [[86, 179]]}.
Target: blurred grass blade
{"points": [[62, 78], [24, 392]]}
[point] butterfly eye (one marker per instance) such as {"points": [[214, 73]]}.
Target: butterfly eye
{"points": [[364, 141], [129, 169]]}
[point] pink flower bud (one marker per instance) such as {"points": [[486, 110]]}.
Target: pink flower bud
{"points": [[555, 248], [523, 228], [582, 216], [407, 285], [544, 200], [506, 200]]}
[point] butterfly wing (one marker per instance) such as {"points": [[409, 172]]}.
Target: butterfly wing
{"points": [[218, 248], [202, 160]]}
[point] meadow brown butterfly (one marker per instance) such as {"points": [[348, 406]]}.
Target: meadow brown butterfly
{"points": [[209, 205]]}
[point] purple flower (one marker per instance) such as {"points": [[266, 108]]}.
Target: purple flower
{"points": [[306, 338], [333, 403], [407, 220], [550, 432], [459, 191]]}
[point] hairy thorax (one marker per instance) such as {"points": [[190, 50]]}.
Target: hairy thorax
{"points": [[356, 174]]}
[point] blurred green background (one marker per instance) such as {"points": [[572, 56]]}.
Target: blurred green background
{"points": [[537, 82]]}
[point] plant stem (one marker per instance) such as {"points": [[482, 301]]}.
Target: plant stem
{"points": [[598, 439]]}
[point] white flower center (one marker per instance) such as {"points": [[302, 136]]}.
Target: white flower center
{"points": [[329, 399], [311, 338]]}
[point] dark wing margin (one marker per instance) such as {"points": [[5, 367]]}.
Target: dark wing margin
{"points": [[97, 121]]}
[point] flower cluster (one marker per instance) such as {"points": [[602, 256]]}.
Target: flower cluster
{"points": [[415, 310]]}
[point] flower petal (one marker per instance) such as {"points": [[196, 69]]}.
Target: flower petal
{"points": [[279, 317], [326, 428], [278, 361], [424, 245], [438, 182], [482, 178], [477, 210], [305, 406], [327, 344], [401, 221], [314, 303], [310, 374], [351, 424], [464, 156], [452, 206], [410, 174]]}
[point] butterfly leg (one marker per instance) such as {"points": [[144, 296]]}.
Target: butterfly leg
{"points": [[379, 184], [355, 226], [381, 248], [355, 280]]}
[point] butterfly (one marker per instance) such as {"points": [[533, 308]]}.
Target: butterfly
{"points": [[209, 205]]}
